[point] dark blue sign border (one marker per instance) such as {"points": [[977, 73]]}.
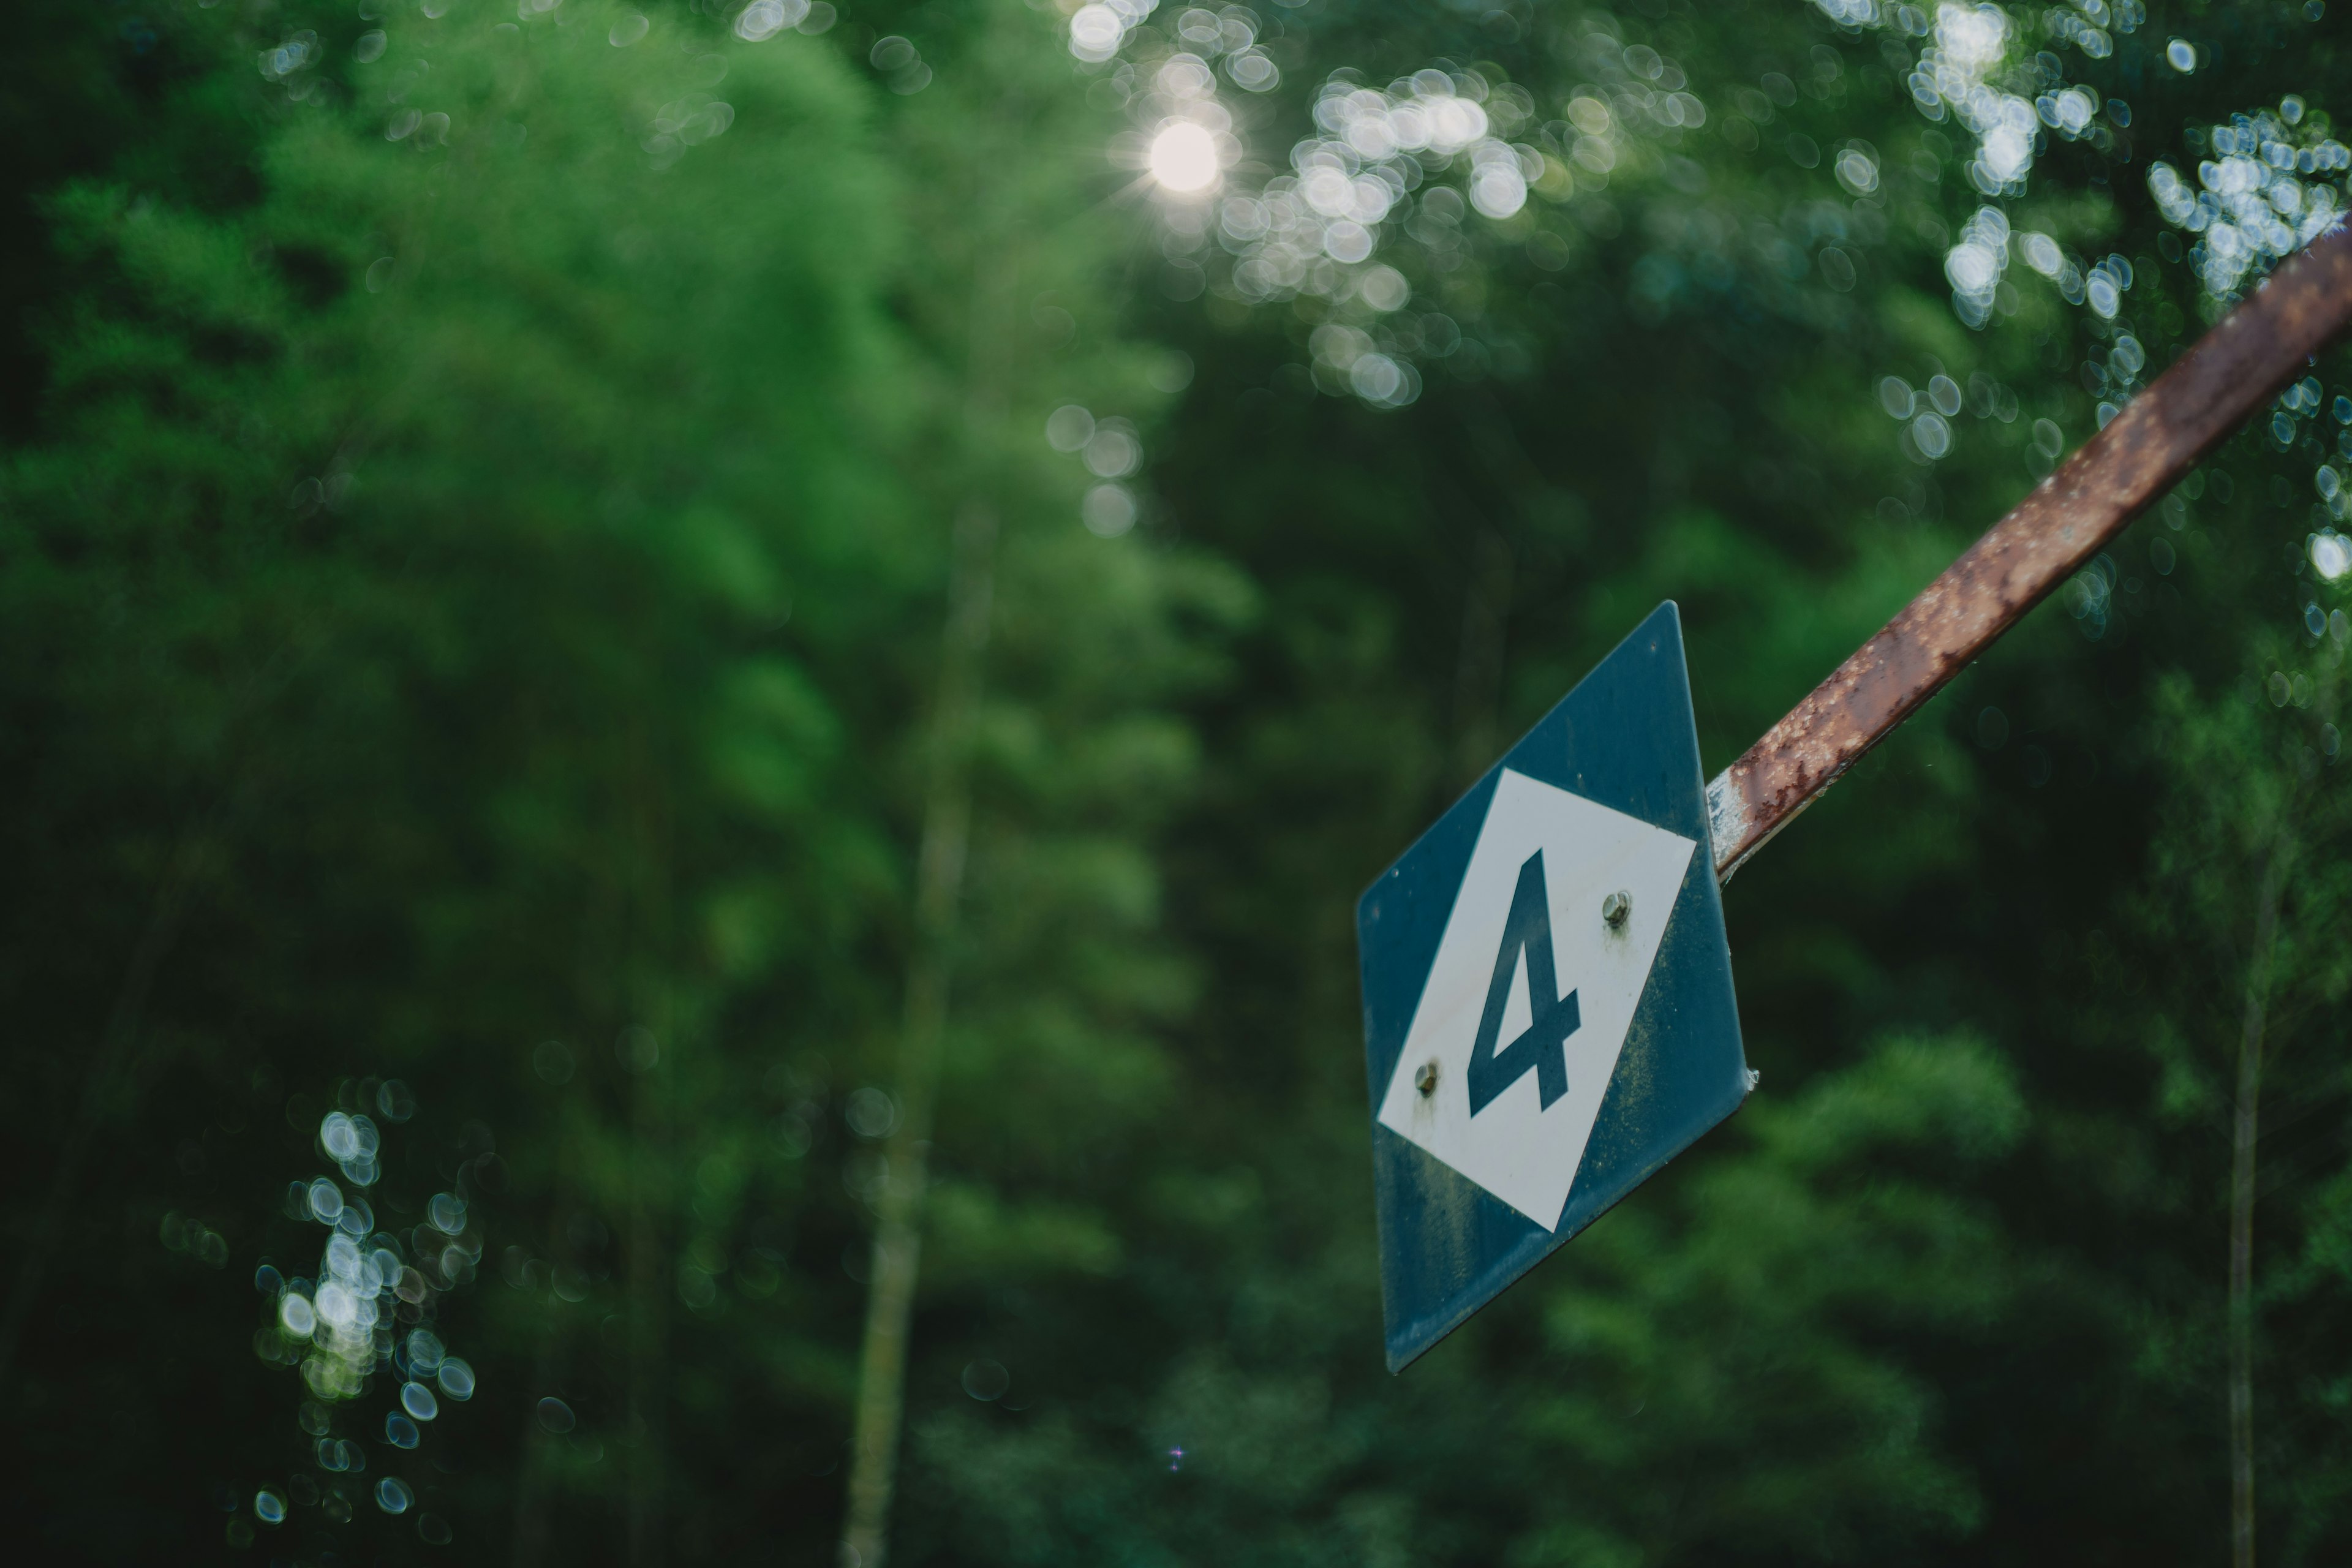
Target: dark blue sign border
{"points": [[1625, 738]]}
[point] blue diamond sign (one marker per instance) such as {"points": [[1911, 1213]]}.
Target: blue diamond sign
{"points": [[1547, 1006]]}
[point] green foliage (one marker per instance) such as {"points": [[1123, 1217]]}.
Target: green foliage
{"points": [[1743, 1367], [497, 559], [474, 538]]}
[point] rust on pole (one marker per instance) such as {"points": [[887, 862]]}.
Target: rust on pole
{"points": [[2260, 346]]}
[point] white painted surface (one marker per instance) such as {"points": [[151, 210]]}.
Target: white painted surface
{"points": [[1515, 1148]]}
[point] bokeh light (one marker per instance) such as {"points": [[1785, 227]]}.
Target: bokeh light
{"points": [[986, 1380], [1184, 157], [1108, 510], [1070, 427], [2253, 203], [2331, 553], [763, 19], [368, 1314]]}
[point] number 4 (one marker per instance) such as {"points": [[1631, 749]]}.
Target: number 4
{"points": [[1543, 1048]]}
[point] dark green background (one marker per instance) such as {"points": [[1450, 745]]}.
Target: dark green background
{"points": [[536, 645]]}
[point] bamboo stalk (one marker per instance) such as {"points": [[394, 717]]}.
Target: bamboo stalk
{"points": [[897, 1235], [2246, 1127]]}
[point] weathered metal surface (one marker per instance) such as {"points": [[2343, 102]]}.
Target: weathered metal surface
{"points": [[2249, 355]]}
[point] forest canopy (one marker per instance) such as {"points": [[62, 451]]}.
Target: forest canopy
{"points": [[692, 697]]}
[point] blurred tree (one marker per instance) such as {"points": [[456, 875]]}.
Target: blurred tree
{"points": [[467, 628], [2248, 901], [1670, 370], [506, 686], [1056, 782]]}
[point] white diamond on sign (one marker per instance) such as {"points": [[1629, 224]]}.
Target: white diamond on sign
{"points": [[1534, 987]]}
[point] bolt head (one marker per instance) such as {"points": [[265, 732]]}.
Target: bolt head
{"points": [[1615, 909], [1425, 1080]]}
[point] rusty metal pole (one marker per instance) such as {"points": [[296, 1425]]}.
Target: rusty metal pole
{"points": [[2253, 352]]}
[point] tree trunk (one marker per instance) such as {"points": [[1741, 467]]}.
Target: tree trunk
{"points": [[897, 1235], [2246, 1128], [106, 1064], [649, 1325]]}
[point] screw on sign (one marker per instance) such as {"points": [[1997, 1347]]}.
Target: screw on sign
{"points": [[1548, 1015]]}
